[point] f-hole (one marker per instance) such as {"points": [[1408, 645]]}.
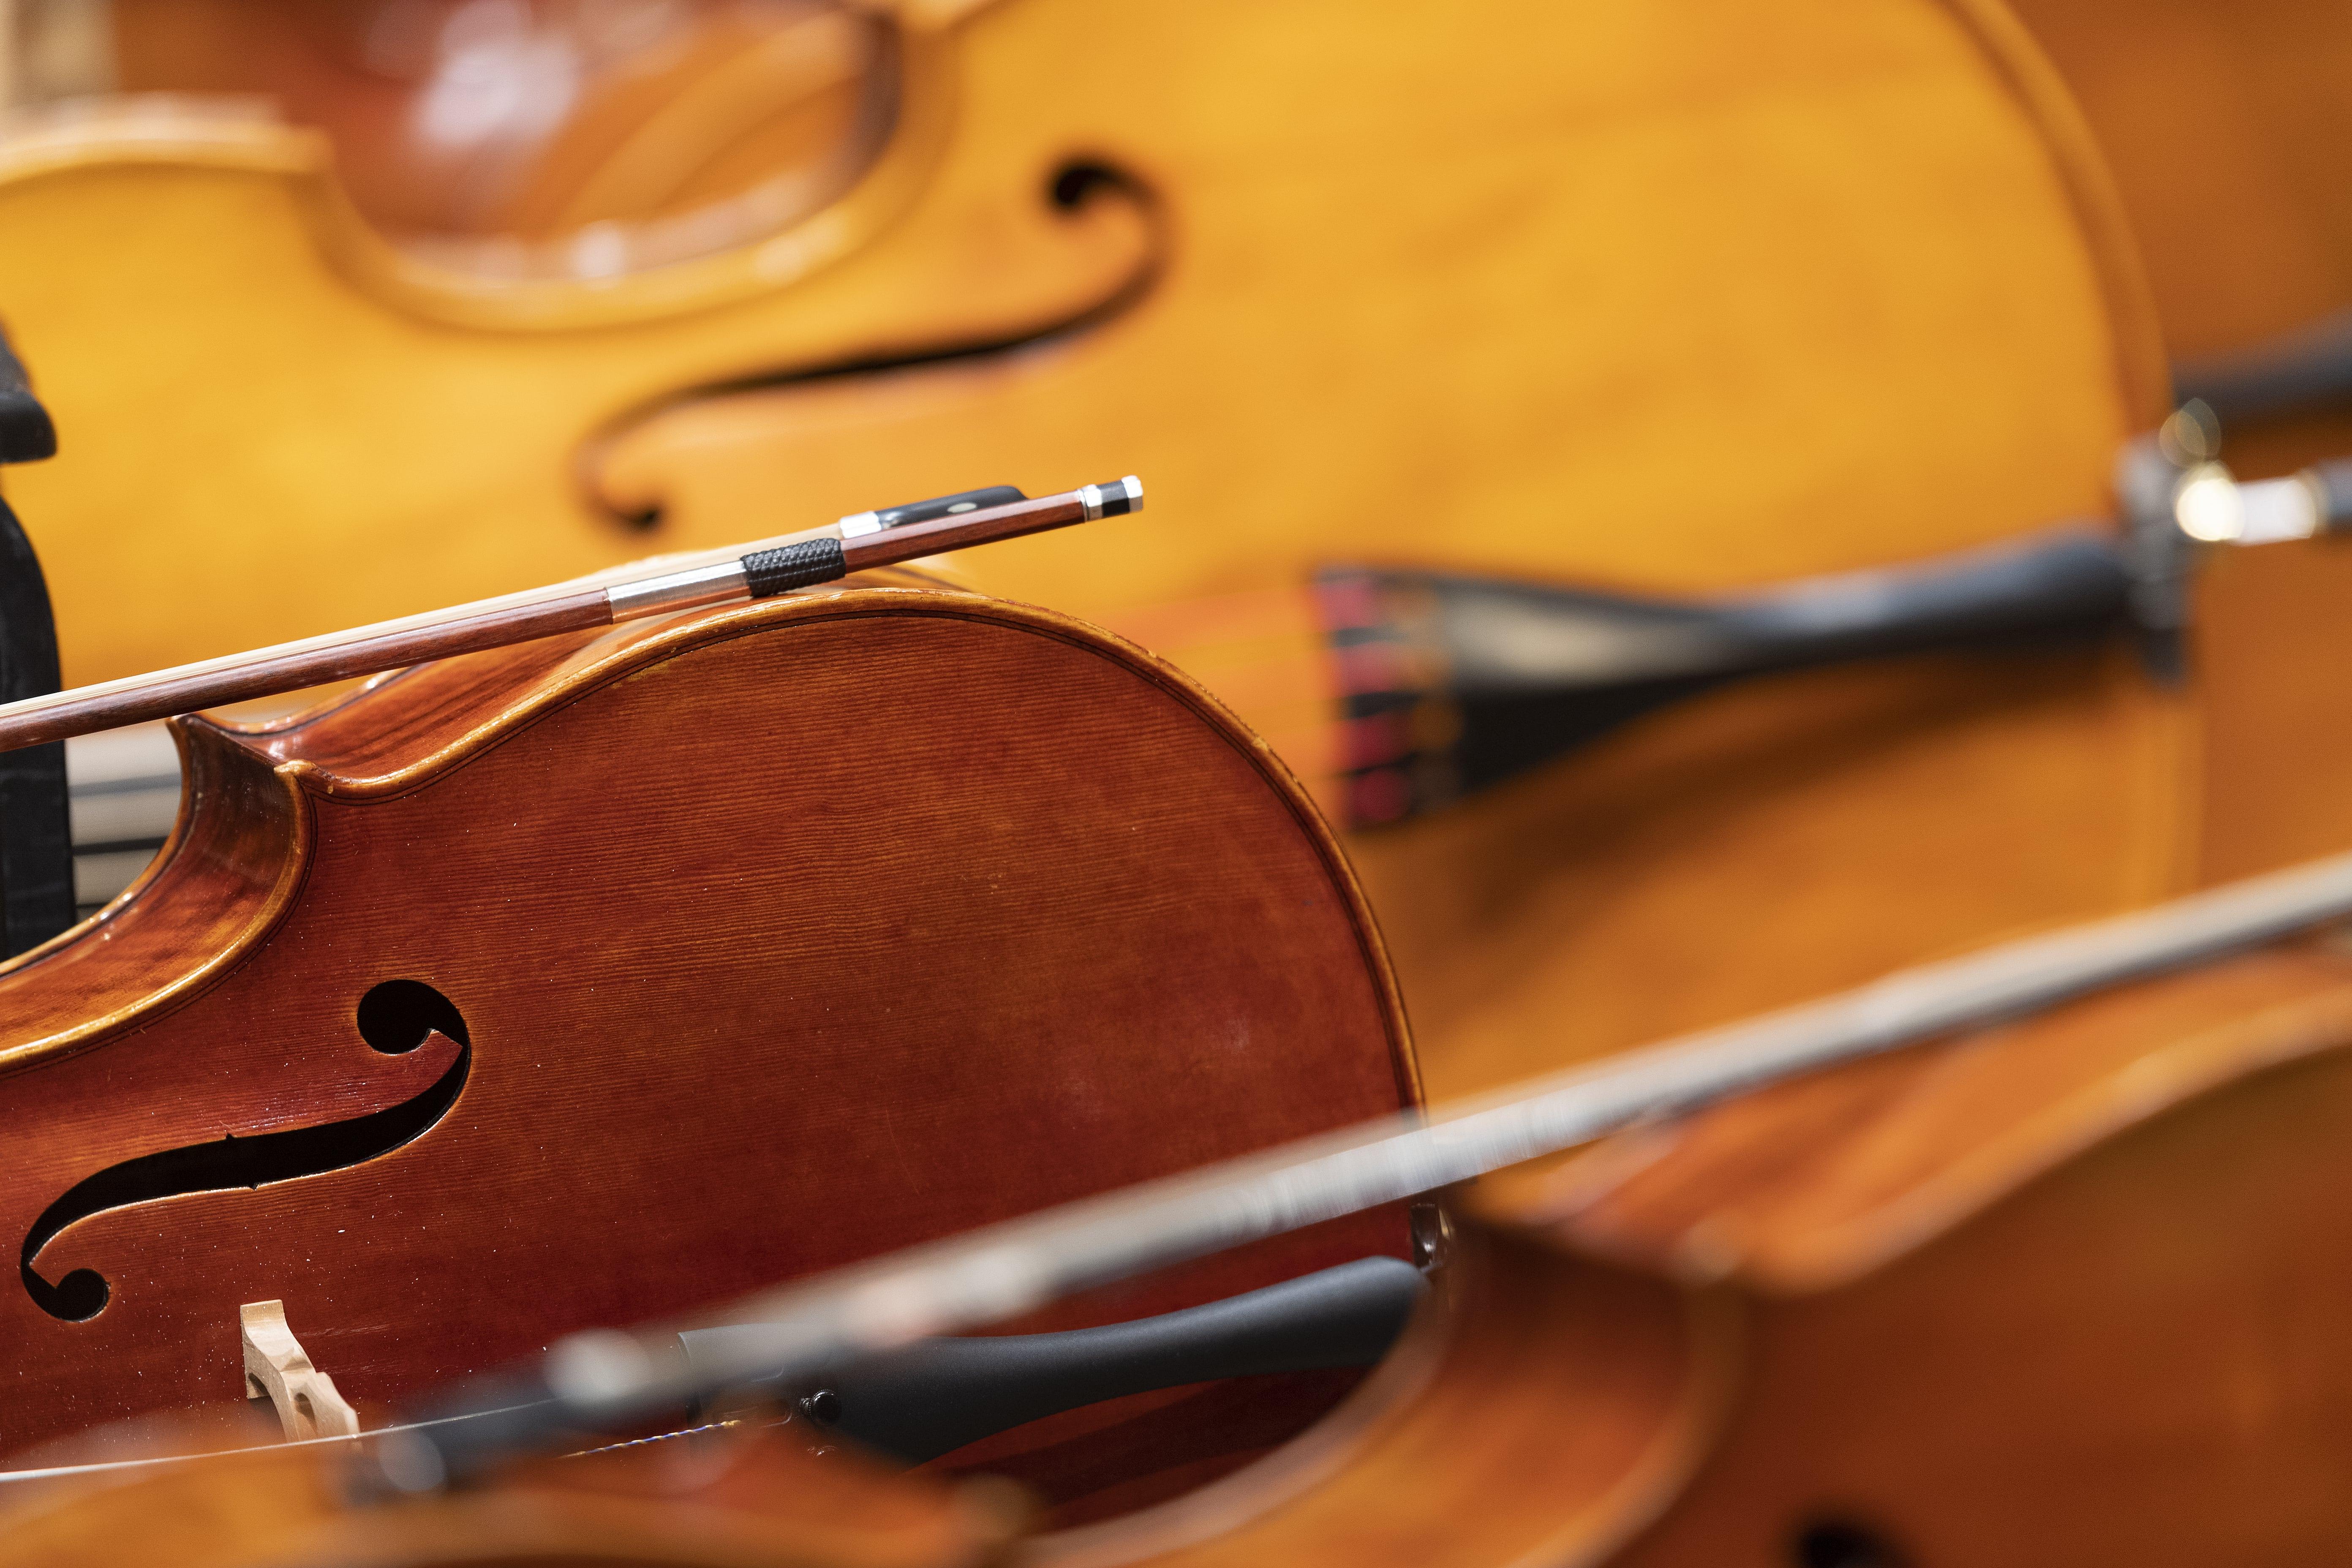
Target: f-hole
{"points": [[1071, 185], [394, 1019]]}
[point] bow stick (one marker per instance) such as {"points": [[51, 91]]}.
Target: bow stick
{"points": [[659, 586]]}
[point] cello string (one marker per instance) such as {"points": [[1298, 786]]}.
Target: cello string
{"points": [[151, 1461]]}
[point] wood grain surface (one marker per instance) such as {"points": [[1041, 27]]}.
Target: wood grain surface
{"points": [[2064, 1291], [1705, 294], [2227, 138], [780, 936], [665, 112]]}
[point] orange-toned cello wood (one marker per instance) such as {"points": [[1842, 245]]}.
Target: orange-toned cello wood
{"points": [[2062, 1293], [2225, 135], [609, 976], [1701, 294], [2228, 137]]}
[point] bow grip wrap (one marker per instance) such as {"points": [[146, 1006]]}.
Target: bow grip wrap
{"points": [[772, 572]]}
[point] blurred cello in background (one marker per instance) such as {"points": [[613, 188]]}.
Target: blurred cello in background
{"points": [[2065, 1200], [2224, 126], [2228, 130], [1705, 295]]}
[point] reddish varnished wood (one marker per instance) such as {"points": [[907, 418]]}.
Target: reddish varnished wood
{"points": [[784, 934], [2068, 1291]]}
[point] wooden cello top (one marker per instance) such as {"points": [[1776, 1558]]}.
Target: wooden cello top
{"points": [[1777, 291], [2227, 138], [1891, 1303], [916, 908], [1896, 1308], [1996, 350]]}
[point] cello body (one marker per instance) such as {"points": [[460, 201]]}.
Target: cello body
{"points": [[2065, 1290], [2225, 138], [2227, 134], [609, 976], [2060, 1293], [1712, 294]]}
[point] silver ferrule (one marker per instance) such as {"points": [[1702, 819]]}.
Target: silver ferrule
{"points": [[718, 584], [1092, 498], [858, 524]]}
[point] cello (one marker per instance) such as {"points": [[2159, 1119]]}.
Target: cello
{"points": [[2227, 149], [892, 895], [1950, 350], [1888, 1275]]}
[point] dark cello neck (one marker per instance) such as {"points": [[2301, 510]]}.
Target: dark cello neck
{"points": [[37, 896]]}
